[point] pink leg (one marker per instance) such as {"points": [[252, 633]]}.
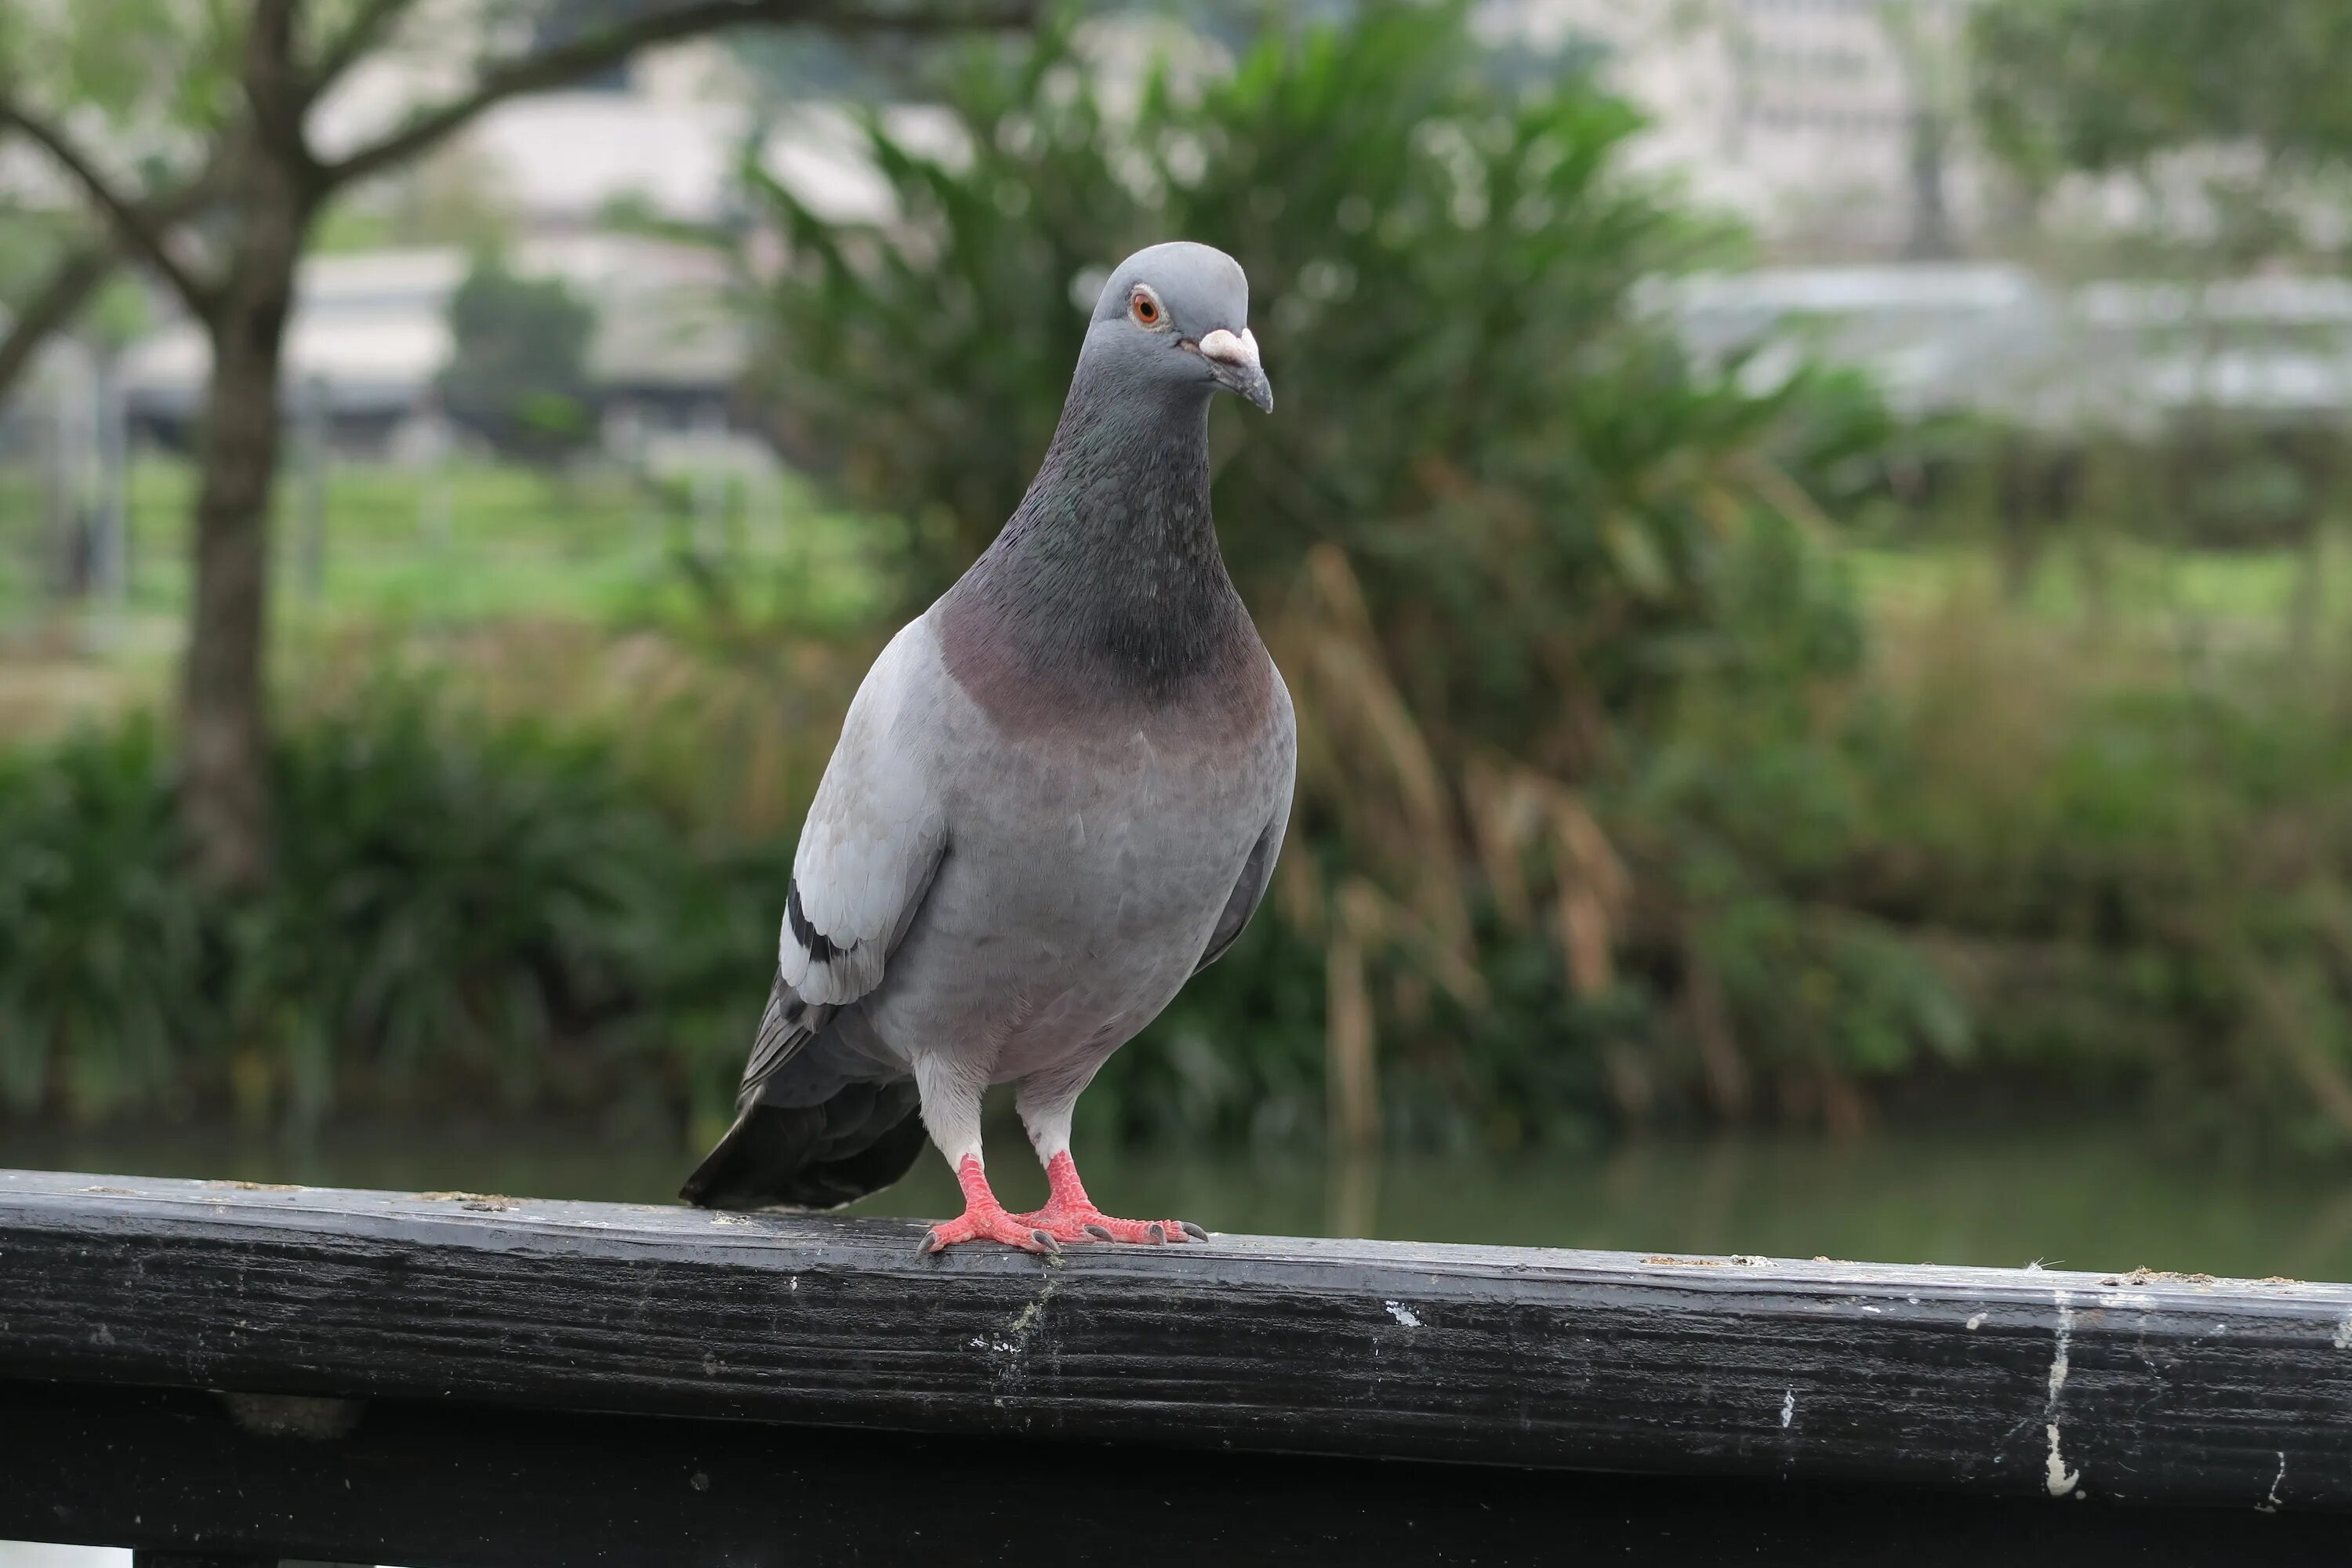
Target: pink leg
{"points": [[984, 1219], [1070, 1215]]}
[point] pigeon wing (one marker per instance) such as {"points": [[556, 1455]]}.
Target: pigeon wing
{"points": [[1257, 871], [871, 844]]}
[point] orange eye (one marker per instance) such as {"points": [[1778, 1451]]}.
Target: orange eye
{"points": [[1144, 308]]}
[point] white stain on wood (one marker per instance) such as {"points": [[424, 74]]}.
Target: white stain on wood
{"points": [[1403, 1314], [2058, 1361], [2056, 1475]]}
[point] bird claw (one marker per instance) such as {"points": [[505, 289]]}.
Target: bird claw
{"points": [[1070, 1215], [1011, 1229], [1093, 1225]]}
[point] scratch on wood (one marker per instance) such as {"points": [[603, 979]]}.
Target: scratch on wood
{"points": [[2271, 1503]]}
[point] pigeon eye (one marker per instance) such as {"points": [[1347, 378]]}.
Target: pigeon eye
{"points": [[1144, 308]]}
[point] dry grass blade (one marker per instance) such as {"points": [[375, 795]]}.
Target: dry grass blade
{"points": [[1352, 1075], [2281, 1021], [1355, 728]]}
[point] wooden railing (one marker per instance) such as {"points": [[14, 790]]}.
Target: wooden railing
{"points": [[245, 1374]]}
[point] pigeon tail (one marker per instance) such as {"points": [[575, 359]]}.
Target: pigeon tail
{"points": [[862, 1139]]}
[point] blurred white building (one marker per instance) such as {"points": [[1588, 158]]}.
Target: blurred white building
{"points": [[665, 140], [1994, 340], [369, 335], [1834, 126]]}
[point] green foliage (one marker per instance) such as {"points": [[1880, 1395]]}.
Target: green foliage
{"points": [[101, 950], [458, 910], [2103, 85], [519, 371], [152, 71]]}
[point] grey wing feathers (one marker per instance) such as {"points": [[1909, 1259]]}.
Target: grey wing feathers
{"points": [[874, 832], [867, 853], [788, 1024], [1257, 871]]}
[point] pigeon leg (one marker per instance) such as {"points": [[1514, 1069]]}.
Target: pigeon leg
{"points": [[984, 1219], [951, 1100], [1070, 1215]]}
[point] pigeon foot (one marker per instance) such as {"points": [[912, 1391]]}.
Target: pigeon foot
{"points": [[1070, 1215], [1090, 1224], [984, 1219]]}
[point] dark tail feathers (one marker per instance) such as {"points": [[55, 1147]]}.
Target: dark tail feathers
{"points": [[818, 1157]]}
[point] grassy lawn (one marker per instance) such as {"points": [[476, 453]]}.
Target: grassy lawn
{"points": [[474, 543], [481, 545], [485, 542], [410, 558], [2138, 580]]}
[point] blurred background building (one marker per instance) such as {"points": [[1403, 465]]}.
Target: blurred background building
{"points": [[1836, 127]]}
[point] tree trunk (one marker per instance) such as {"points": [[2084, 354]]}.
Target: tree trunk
{"points": [[1930, 236], [225, 801]]}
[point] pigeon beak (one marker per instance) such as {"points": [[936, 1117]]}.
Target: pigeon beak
{"points": [[1233, 360]]}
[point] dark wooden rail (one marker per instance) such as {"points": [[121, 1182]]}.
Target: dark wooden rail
{"points": [[451, 1378]]}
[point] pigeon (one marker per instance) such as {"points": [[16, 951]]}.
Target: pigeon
{"points": [[1057, 796]]}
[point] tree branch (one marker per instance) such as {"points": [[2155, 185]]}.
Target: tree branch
{"points": [[71, 282], [593, 52], [78, 274], [136, 225], [375, 18]]}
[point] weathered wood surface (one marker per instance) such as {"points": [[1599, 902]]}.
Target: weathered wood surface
{"points": [[2043, 1385]]}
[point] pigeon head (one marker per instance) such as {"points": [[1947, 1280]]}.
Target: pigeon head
{"points": [[1105, 584], [1177, 316]]}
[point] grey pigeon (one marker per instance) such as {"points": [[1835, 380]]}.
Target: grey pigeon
{"points": [[1058, 795]]}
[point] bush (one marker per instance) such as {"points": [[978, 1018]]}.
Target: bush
{"points": [[458, 911], [518, 370], [102, 950]]}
